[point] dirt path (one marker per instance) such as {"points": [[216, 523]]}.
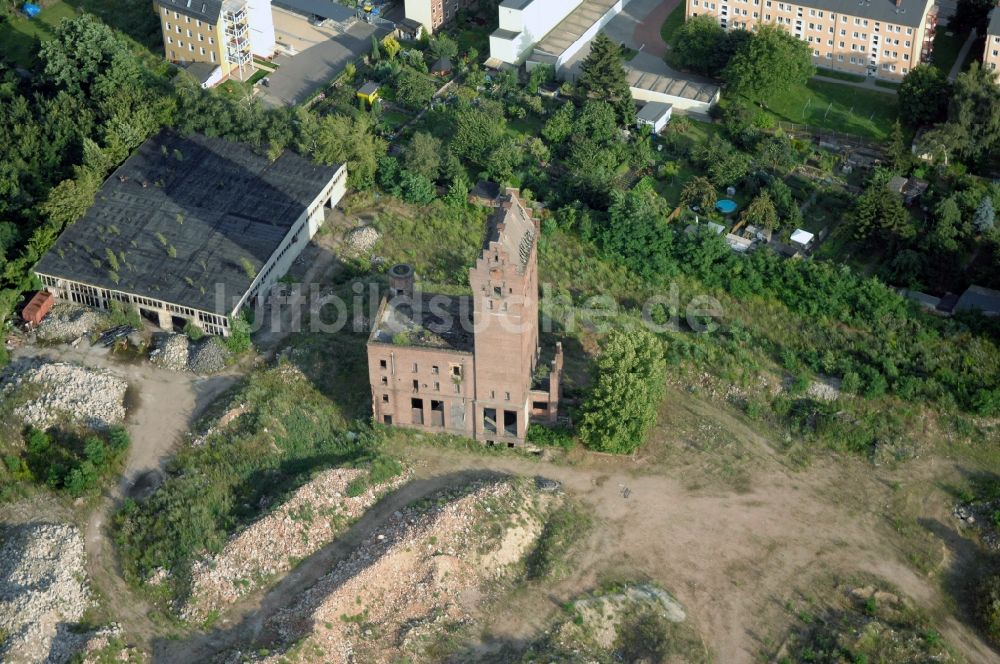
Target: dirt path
{"points": [[163, 406]]}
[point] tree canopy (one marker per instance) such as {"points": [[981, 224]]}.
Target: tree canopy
{"points": [[924, 93], [622, 406], [603, 77], [769, 63]]}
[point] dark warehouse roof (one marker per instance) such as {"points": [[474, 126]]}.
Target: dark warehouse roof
{"points": [[183, 215]]}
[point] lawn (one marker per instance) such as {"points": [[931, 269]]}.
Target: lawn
{"points": [[946, 47], [21, 36], [837, 107], [674, 21]]}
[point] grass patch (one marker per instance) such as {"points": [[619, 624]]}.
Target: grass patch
{"points": [[840, 75], [672, 24], [21, 36], [862, 620], [837, 107], [946, 47], [564, 528], [440, 242]]}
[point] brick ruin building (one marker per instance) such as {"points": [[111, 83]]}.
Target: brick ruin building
{"points": [[469, 365]]}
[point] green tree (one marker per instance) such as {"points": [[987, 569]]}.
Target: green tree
{"points": [[82, 51], [761, 212], [443, 46], [899, 151], [947, 220], [699, 46], [699, 191], [924, 93], [637, 234], [775, 152], [880, 212], [422, 155], [784, 203], [335, 139], [559, 127], [970, 14], [376, 49], [413, 90], [769, 63], [603, 77], [973, 127], [725, 164], [479, 130], [984, 217], [622, 406]]}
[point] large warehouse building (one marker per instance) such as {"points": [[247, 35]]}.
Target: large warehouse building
{"points": [[191, 229]]}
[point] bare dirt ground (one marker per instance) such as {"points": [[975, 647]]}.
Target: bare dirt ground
{"points": [[731, 552], [708, 511]]}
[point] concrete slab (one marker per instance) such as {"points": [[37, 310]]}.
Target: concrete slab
{"points": [[301, 75], [623, 28]]}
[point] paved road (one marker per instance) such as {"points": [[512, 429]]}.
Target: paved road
{"points": [[638, 26], [301, 75]]}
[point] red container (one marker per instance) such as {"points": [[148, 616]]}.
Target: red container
{"points": [[38, 307]]}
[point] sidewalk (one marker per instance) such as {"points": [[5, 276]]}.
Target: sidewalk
{"points": [[956, 68], [867, 84]]}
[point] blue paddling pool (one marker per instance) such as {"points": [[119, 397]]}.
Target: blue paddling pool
{"points": [[726, 206]]}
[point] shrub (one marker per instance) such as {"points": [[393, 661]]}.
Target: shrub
{"points": [[238, 340], [193, 332], [989, 607], [545, 436]]}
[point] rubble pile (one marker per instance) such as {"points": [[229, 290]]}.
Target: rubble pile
{"points": [[316, 514], [207, 356], [53, 390], [42, 591], [170, 351], [67, 322], [421, 572], [362, 239], [177, 352]]}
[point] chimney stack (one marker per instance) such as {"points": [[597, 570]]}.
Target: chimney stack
{"points": [[401, 280]]}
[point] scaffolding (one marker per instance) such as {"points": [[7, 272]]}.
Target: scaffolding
{"points": [[236, 26]]}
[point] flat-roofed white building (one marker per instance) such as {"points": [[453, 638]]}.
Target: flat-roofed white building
{"points": [[523, 23]]}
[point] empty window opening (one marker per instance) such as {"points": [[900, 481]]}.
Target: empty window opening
{"points": [[510, 422], [417, 411]]}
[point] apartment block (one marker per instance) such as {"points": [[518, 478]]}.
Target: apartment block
{"points": [[880, 38], [224, 34], [432, 14], [468, 365], [991, 54]]}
